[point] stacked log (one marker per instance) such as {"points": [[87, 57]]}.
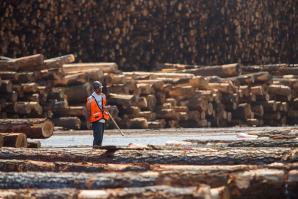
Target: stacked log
{"points": [[136, 36], [262, 95], [14, 132], [125, 172], [176, 96]]}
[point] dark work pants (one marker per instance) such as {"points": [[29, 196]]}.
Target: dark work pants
{"points": [[98, 129]]}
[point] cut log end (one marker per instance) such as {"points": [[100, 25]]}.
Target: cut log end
{"points": [[47, 129]]}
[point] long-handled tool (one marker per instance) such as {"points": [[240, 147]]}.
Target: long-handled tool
{"points": [[116, 124]]}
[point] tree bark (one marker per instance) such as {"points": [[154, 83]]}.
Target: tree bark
{"points": [[173, 155], [243, 184]]}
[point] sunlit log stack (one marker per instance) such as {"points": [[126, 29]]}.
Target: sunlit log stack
{"points": [[262, 95], [176, 96]]}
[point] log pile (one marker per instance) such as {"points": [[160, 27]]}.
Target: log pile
{"points": [[170, 171], [176, 96], [14, 132], [253, 95], [35, 87], [135, 35]]}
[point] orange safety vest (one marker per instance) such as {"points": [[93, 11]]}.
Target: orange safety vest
{"points": [[96, 113]]}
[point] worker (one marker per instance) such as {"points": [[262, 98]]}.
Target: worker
{"points": [[96, 113]]}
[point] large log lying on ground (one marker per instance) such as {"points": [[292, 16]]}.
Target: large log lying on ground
{"points": [[8, 165], [75, 180], [32, 165], [247, 184], [174, 155], [160, 191], [33, 128]]}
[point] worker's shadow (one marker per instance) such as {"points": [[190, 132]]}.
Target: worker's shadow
{"points": [[110, 151]]}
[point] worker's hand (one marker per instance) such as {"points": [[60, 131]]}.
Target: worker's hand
{"points": [[89, 126]]}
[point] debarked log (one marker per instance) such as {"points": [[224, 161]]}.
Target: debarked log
{"points": [[227, 70], [105, 67], [24, 63], [57, 62], [174, 155], [33, 128]]}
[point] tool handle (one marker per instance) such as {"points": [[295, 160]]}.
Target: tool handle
{"points": [[115, 123]]}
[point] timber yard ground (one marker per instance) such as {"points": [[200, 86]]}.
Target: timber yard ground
{"points": [[84, 138]]}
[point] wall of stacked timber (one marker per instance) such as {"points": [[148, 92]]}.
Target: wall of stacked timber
{"points": [[142, 34], [176, 96]]}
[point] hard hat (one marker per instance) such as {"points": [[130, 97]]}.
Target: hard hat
{"points": [[96, 85]]}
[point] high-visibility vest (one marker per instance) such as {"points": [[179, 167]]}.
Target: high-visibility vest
{"points": [[96, 113]]}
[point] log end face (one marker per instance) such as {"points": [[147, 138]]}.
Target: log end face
{"points": [[47, 129]]}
